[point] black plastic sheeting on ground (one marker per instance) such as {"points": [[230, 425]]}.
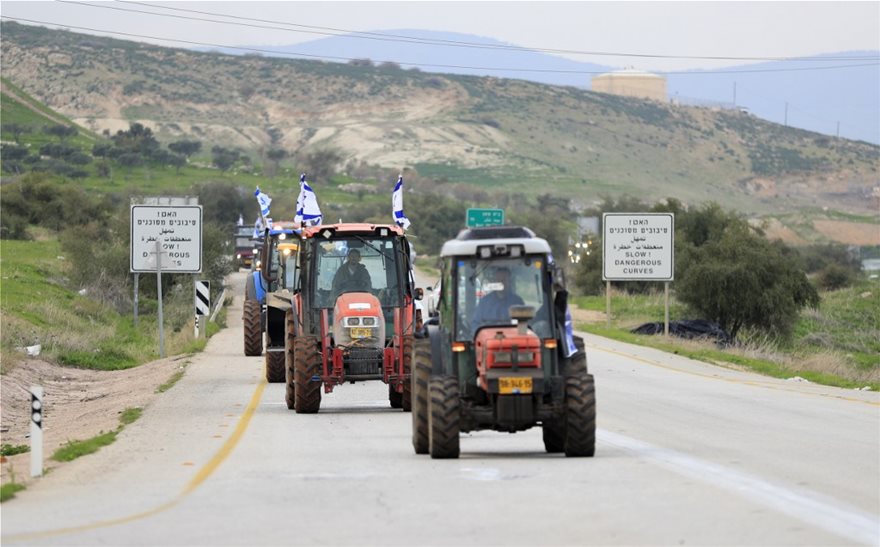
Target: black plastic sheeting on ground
{"points": [[688, 328]]}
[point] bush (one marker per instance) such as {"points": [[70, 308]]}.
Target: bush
{"points": [[743, 281], [835, 276]]}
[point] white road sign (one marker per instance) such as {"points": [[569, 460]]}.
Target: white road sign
{"points": [[177, 228], [638, 247]]}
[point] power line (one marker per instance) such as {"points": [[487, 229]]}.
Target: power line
{"points": [[421, 65], [348, 33]]}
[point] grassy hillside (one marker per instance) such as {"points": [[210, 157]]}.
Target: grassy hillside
{"points": [[491, 135]]}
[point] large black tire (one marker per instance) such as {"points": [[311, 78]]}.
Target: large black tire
{"points": [[275, 366], [580, 415], [253, 332], [443, 417], [406, 396], [306, 365], [419, 387], [290, 389], [395, 398]]}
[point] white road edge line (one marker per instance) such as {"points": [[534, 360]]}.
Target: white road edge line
{"points": [[810, 507]]}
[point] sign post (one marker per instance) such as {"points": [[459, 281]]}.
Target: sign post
{"points": [[484, 217], [638, 247], [174, 231]]}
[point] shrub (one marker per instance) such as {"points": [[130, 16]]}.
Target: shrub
{"points": [[835, 276]]}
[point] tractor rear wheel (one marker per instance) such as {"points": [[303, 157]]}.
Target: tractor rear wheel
{"points": [[306, 366], [275, 366], [253, 332], [443, 417], [419, 389], [580, 415], [395, 398], [290, 389], [406, 396]]}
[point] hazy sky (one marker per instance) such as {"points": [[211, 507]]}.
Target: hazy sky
{"points": [[726, 29]]}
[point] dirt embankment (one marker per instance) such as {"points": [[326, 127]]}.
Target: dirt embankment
{"points": [[78, 404]]}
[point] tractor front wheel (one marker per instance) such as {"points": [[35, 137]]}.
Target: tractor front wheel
{"points": [[290, 389], [306, 367], [275, 366], [406, 396], [443, 417], [580, 415], [253, 331], [419, 388]]}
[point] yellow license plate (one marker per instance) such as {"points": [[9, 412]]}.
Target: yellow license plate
{"points": [[508, 385], [361, 332]]}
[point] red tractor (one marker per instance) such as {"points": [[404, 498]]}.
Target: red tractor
{"points": [[503, 355], [351, 314]]}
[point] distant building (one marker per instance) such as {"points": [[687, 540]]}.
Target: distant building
{"points": [[631, 83]]}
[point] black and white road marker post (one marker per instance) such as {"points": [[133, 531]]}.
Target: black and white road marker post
{"points": [[202, 304], [36, 431]]}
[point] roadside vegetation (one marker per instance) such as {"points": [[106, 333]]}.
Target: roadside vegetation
{"points": [[817, 316]]}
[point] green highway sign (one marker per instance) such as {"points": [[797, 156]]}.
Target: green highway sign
{"points": [[484, 217]]}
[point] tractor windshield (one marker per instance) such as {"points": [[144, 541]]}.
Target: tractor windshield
{"points": [[487, 289], [358, 264]]}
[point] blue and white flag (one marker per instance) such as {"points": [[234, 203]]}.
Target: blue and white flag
{"points": [[258, 228], [308, 213], [264, 200], [570, 348], [397, 204]]}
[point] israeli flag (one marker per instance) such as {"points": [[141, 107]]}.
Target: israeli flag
{"points": [[264, 200], [397, 204], [258, 228], [570, 348], [308, 213]]}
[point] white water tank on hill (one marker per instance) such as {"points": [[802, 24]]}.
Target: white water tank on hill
{"points": [[631, 83]]}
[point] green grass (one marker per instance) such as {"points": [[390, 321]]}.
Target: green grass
{"points": [[838, 345], [130, 415], [171, 381], [72, 329], [12, 450], [8, 490], [74, 449]]}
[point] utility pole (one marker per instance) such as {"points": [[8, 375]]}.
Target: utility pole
{"points": [[734, 93], [786, 113], [838, 129]]}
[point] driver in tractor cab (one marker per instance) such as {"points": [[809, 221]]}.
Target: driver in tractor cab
{"points": [[494, 308], [352, 276]]}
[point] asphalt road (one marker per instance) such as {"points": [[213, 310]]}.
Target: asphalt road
{"points": [[687, 453]]}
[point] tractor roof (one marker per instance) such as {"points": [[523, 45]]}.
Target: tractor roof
{"points": [[283, 227], [470, 241], [353, 228]]}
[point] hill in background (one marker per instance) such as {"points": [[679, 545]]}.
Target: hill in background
{"points": [[493, 135], [806, 93]]}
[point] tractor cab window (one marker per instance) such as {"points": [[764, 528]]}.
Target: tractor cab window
{"points": [[357, 265], [486, 288]]}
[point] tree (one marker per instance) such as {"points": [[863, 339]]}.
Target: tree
{"points": [[223, 158], [185, 148], [16, 129], [320, 164], [61, 131], [740, 280], [275, 155], [137, 140]]}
